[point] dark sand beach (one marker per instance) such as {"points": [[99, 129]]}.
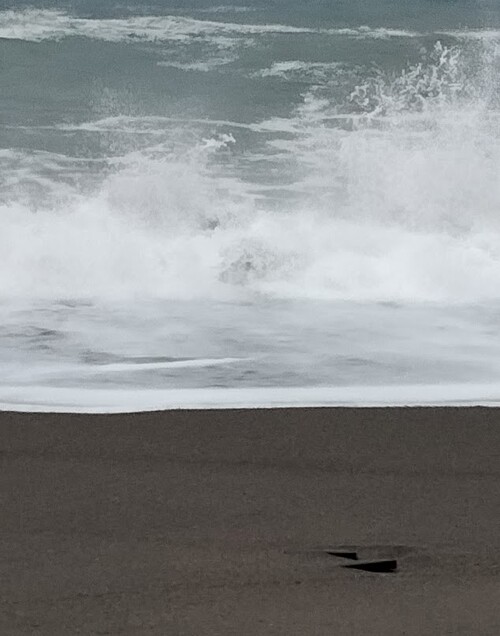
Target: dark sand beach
{"points": [[216, 522]]}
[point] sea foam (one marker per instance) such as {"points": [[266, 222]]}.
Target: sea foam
{"points": [[398, 201]]}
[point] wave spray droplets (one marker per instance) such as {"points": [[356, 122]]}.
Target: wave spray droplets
{"points": [[389, 191]]}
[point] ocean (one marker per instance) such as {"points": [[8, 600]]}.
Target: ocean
{"points": [[256, 204]]}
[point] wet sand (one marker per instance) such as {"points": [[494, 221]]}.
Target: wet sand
{"points": [[216, 522]]}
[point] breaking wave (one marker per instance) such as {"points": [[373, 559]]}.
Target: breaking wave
{"points": [[391, 193]]}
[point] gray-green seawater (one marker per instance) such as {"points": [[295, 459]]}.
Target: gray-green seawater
{"points": [[268, 194]]}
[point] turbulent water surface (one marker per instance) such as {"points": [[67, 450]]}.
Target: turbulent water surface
{"points": [[265, 203]]}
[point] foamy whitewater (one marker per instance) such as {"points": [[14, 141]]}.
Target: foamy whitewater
{"points": [[263, 204]]}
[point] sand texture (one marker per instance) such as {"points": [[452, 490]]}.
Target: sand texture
{"points": [[217, 522]]}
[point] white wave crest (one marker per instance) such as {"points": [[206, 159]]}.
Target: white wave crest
{"points": [[377, 33], [201, 66], [37, 25], [483, 35], [48, 24], [44, 24], [298, 69]]}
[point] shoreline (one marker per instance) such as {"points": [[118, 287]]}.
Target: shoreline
{"points": [[217, 522], [97, 401]]}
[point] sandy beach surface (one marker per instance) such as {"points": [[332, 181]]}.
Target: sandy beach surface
{"points": [[218, 522]]}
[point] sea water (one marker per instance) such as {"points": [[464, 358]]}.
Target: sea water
{"points": [[266, 203]]}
